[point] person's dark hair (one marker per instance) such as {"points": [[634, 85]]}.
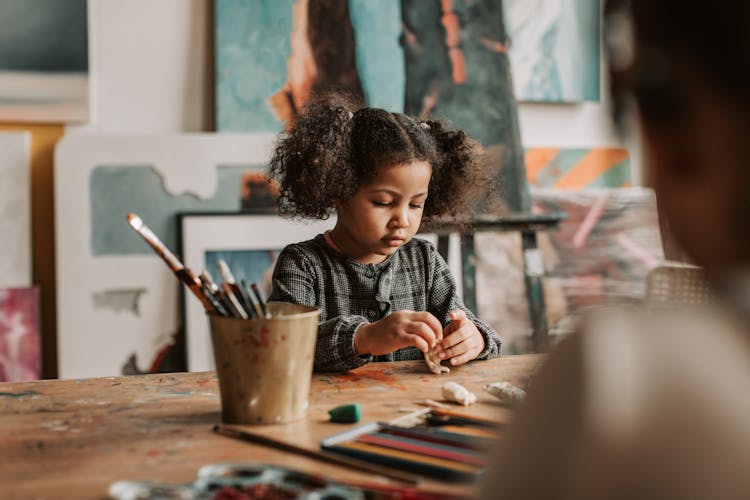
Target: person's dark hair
{"points": [[649, 39], [337, 146]]}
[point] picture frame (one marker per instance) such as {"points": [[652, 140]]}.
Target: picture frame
{"points": [[115, 295], [250, 244]]}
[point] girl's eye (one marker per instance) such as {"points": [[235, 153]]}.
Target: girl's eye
{"points": [[415, 205], [381, 203]]}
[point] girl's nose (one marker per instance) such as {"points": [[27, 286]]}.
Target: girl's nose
{"points": [[400, 218]]}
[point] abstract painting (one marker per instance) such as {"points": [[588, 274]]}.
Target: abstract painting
{"points": [[554, 49], [428, 58], [15, 209], [116, 297], [44, 61], [600, 255], [272, 55], [20, 344], [576, 168]]}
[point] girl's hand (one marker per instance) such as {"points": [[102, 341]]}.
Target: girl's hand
{"points": [[400, 329], [462, 341]]}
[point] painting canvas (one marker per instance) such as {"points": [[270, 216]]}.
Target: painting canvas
{"points": [[554, 49], [272, 54], [44, 61], [600, 255], [115, 295], [15, 210], [20, 347], [577, 168], [445, 60]]}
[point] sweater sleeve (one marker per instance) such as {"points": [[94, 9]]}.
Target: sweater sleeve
{"points": [[294, 280], [443, 298]]}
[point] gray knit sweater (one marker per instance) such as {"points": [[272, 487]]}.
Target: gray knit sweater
{"points": [[351, 294]]}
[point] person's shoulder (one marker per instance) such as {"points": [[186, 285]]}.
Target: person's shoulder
{"points": [[310, 249]]}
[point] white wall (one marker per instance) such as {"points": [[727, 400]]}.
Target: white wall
{"points": [[151, 73], [576, 125]]}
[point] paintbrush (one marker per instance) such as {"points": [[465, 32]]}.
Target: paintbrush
{"points": [[253, 302], [261, 301], [233, 290], [183, 273], [317, 455], [248, 301], [221, 297]]}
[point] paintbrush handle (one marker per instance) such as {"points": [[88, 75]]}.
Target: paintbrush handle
{"points": [[317, 455], [194, 284], [141, 228]]}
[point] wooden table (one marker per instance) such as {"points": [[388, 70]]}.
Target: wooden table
{"points": [[73, 438]]}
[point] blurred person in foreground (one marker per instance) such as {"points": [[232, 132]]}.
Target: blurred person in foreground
{"points": [[656, 404]]}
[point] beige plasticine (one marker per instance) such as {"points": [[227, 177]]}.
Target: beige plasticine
{"points": [[265, 366]]}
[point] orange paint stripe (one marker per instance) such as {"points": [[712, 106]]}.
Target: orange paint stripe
{"points": [[591, 166], [536, 159]]}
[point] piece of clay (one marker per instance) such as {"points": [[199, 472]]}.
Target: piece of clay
{"points": [[458, 394], [433, 362], [506, 392]]}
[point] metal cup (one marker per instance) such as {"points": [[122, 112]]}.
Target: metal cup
{"points": [[264, 366]]}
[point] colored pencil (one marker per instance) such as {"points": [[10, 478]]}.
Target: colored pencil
{"points": [[228, 431], [405, 460], [423, 447], [437, 435]]}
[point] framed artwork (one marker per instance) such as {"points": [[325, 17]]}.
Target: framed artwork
{"points": [[115, 296], [250, 245], [44, 64], [20, 341]]}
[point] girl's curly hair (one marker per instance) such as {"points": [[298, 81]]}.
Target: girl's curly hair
{"points": [[336, 146]]}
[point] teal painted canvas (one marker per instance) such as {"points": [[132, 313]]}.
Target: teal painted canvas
{"points": [[272, 55], [115, 191]]}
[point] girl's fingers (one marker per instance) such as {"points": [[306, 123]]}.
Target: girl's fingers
{"points": [[424, 331], [459, 335], [457, 315], [431, 321], [461, 359], [417, 341]]}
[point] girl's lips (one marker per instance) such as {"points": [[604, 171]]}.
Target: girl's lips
{"points": [[394, 242]]}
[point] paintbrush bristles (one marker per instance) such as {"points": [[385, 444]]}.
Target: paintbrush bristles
{"points": [[141, 228], [226, 273]]}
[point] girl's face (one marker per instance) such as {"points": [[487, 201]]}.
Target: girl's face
{"points": [[384, 214]]}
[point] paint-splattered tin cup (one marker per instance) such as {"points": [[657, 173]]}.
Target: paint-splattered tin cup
{"points": [[264, 366]]}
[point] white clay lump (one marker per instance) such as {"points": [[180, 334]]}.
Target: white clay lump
{"points": [[433, 362], [457, 393], [506, 392]]}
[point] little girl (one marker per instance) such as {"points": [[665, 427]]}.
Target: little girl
{"points": [[383, 295]]}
